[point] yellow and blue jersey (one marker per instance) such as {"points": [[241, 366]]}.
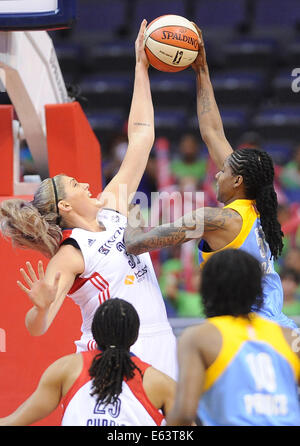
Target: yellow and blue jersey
{"points": [[253, 380], [252, 240]]}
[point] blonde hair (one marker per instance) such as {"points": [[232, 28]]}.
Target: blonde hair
{"points": [[35, 224]]}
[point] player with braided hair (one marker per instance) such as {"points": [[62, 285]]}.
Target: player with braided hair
{"points": [[108, 386], [257, 169], [248, 220]]}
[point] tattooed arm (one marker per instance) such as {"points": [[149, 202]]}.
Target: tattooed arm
{"points": [[223, 225], [210, 122], [119, 192]]}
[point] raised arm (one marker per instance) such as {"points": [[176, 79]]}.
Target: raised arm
{"points": [[122, 187], [210, 122]]}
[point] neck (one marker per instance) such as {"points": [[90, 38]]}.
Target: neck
{"points": [[91, 225], [237, 197]]}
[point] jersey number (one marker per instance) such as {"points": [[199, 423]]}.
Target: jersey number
{"points": [[112, 409], [262, 370], [263, 249]]}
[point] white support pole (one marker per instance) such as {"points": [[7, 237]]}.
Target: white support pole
{"points": [[30, 73]]}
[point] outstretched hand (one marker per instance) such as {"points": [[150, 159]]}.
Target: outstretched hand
{"points": [[200, 61], [139, 45], [41, 293]]}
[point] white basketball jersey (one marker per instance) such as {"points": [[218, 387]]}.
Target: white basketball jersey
{"points": [[133, 408], [111, 272]]}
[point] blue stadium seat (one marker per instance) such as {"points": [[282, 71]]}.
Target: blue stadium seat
{"points": [[151, 9], [170, 123], [269, 13], [70, 57], [282, 87], [109, 90], [234, 120], [220, 13], [250, 52], [173, 89], [117, 55], [238, 87], [280, 151], [106, 124], [282, 122], [105, 16], [292, 53]]}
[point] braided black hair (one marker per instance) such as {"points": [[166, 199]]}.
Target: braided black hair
{"points": [[115, 328], [223, 281], [256, 168]]}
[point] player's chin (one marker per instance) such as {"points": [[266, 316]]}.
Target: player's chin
{"points": [[97, 203]]}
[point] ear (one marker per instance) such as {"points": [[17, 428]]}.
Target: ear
{"points": [[238, 181], [64, 206]]}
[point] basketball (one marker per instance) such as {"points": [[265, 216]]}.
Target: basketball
{"points": [[171, 43]]}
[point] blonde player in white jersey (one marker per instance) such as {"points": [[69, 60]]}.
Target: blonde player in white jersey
{"points": [[104, 387], [88, 259]]}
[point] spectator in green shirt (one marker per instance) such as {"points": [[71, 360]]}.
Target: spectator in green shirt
{"points": [[290, 174], [189, 163]]}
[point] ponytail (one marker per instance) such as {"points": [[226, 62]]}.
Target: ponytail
{"points": [[115, 328], [266, 204], [108, 370], [33, 225]]}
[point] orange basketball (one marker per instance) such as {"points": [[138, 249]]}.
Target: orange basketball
{"points": [[171, 43]]}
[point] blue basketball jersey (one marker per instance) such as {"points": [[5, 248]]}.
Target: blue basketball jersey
{"points": [[252, 240], [253, 381]]}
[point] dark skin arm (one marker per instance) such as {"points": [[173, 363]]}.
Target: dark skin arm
{"points": [[217, 226], [210, 122]]}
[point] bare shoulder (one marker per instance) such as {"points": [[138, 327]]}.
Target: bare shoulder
{"points": [[220, 218], [159, 387], [157, 378], [68, 257], [65, 364], [198, 335], [204, 339], [65, 371]]}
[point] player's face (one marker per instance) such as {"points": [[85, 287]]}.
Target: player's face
{"points": [[79, 196], [225, 182]]}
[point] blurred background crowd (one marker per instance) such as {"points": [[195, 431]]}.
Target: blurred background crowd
{"points": [[253, 51]]}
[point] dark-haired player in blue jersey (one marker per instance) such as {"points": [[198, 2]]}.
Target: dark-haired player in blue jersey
{"points": [[237, 368]]}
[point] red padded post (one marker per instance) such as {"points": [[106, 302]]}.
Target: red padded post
{"points": [[6, 150], [73, 148]]}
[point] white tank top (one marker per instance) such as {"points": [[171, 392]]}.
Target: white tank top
{"points": [[133, 408], [111, 272]]}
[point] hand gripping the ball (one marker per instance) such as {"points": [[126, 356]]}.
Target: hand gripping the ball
{"points": [[200, 61], [140, 54]]}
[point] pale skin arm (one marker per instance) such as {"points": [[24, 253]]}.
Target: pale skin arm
{"points": [[48, 290], [190, 381], [201, 223], [210, 122], [45, 398], [119, 192]]}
